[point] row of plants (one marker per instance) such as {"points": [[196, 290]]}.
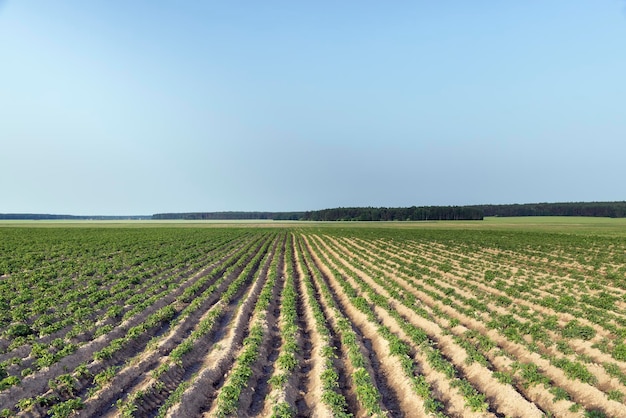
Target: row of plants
{"points": [[552, 339], [107, 356], [331, 395], [480, 352], [174, 361], [572, 368], [256, 274], [475, 400], [88, 319], [227, 402], [368, 395], [287, 360]]}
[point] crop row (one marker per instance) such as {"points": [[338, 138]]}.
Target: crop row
{"points": [[307, 321]]}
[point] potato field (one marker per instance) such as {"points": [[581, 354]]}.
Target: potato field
{"points": [[311, 320]]}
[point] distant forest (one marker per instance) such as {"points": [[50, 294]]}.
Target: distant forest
{"points": [[598, 209], [343, 214], [276, 216], [51, 217], [419, 213], [413, 213]]}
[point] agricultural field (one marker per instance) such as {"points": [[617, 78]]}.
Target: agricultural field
{"points": [[499, 318]]}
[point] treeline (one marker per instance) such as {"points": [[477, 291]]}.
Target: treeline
{"points": [[274, 216], [34, 216], [341, 214], [413, 213], [599, 209], [51, 217]]}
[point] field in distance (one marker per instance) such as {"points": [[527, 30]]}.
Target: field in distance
{"points": [[521, 317]]}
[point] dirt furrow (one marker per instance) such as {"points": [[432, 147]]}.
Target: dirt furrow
{"points": [[265, 310], [385, 377], [454, 404], [311, 369], [306, 359], [38, 383], [224, 344], [605, 382], [342, 363], [185, 276], [582, 393], [253, 397], [136, 377], [502, 398]]}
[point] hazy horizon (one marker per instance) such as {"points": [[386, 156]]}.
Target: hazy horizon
{"points": [[137, 108]]}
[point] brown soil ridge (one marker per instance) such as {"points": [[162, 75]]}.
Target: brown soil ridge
{"points": [[38, 383], [262, 318], [214, 368], [501, 396], [606, 382], [587, 395], [343, 364], [153, 399], [389, 367], [379, 366], [311, 392], [251, 400], [345, 388]]}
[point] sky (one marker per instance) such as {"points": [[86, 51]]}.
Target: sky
{"points": [[144, 106]]}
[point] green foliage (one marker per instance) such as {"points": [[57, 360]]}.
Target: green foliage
{"points": [[104, 377], [594, 413], [432, 406], [66, 408], [336, 403], [619, 352], [228, 398], [278, 380], [25, 404], [366, 392], [9, 381], [564, 347], [531, 374], [559, 394], [575, 407], [503, 301], [64, 384], [19, 330], [503, 377], [282, 410], [574, 329], [615, 395], [474, 400], [575, 370]]}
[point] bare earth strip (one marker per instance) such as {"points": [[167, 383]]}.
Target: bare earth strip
{"points": [[38, 383], [582, 393], [214, 367], [504, 398]]}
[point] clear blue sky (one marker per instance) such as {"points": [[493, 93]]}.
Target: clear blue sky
{"points": [[138, 107]]}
